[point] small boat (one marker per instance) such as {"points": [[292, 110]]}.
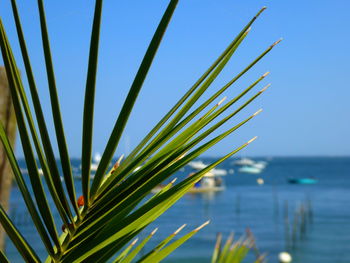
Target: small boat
{"points": [[260, 165], [208, 184], [244, 162], [211, 181], [302, 180], [97, 157], [219, 172], [93, 167], [95, 161], [249, 170], [199, 165]]}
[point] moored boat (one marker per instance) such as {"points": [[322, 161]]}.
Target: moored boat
{"points": [[260, 165], [302, 180], [207, 184], [211, 181], [250, 170], [244, 162], [199, 165]]}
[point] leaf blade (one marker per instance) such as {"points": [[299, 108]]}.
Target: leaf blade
{"points": [[51, 161], [132, 96], [88, 115], [56, 112], [18, 240]]}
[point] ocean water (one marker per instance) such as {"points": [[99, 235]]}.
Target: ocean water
{"points": [[264, 209]]}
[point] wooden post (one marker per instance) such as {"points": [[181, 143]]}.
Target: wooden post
{"points": [[8, 120]]}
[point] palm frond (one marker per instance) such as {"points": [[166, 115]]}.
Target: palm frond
{"points": [[21, 244], [89, 104], [116, 208], [39, 193], [50, 169], [132, 96], [234, 251], [192, 89], [56, 112]]}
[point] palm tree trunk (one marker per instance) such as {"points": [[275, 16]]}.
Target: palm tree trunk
{"points": [[8, 120]]}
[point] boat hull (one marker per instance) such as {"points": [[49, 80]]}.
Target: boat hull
{"points": [[249, 170], [302, 181]]}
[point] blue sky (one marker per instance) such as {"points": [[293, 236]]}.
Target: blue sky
{"points": [[305, 110]]}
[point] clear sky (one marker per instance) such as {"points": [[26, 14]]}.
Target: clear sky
{"points": [[306, 110]]}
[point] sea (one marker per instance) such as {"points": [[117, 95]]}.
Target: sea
{"points": [[310, 222]]}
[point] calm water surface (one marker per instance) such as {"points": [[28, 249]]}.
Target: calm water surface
{"points": [[244, 204]]}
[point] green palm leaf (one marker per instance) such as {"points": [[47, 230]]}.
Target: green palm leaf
{"points": [[21, 244], [53, 173], [132, 96], [234, 251], [192, 89], [89, 104], [56, 112], [40, 195], [161, 254], [115, 206], [137, 249]]}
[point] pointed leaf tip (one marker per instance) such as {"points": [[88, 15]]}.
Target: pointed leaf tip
{"points": [[260, 11], [173, 181], [221, 101], [251, 140], [256, 113], [201, 226], [274, 44], [264, 88], [265, 74], [134, 242], [154, 231], [179, 229], [120, 158]]}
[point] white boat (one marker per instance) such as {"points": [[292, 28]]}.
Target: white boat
{"points": [[208, 184], [260, 165], [219, 172], [199, 165], [211, 181], [95, 161], [249, 170], [97, 157], [93, 167], [244, 162]]}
